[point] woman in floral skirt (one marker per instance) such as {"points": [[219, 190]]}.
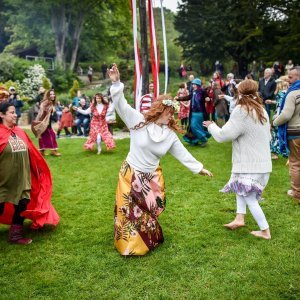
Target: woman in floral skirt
{"points": [[140, 196]]}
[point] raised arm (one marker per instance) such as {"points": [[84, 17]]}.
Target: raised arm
{"points": [[231, 130], [82, 111], [128, 114]]}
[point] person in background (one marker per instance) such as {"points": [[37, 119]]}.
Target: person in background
{"points": [[66, 122], [288, 66], [184, 109], [281, 89], [147, 99], [289, 130], [25, 179], [266, 89], [110, 114], [90, 74], [14, 99], [189, 84], [104, 70], [58, 108], [249, 130], [82, 119], [42, 125], [140, 196]]}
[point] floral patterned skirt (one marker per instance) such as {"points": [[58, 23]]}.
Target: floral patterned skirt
{"points": [[245, 183], [140, 199]]}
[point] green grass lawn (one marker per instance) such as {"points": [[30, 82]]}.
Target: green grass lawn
{"points": [[199, 258]]}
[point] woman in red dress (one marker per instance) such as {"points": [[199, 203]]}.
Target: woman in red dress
{"points": [[98, 127]]}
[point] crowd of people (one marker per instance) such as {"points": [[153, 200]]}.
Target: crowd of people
{"points": [[225, 109]]}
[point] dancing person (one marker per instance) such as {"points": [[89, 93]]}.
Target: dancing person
{"points": [[249, 129], [184, 108], [42, 125], [98, 126], [289, 130], [140, 196], [25, 179], [197, 114]]}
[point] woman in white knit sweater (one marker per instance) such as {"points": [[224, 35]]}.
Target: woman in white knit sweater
{"points": [[249, 130], [140, 196]]}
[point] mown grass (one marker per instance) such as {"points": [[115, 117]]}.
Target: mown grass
{"points": [[199, 258]]}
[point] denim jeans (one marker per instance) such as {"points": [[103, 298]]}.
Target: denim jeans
{"points": [[294, 166], [85, 123]]}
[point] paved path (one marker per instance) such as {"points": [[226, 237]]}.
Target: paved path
{"points": [[118, 135]]}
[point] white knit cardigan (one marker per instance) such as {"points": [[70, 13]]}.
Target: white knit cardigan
{"points": [[250, 141]]}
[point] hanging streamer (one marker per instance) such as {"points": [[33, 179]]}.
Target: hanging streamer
{"points": [[155, 61], [165, 46], [138, 80]]}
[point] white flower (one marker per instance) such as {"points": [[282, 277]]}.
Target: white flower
{"points": [[170, 102]]}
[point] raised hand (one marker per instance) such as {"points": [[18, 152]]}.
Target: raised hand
{"points": [[114, 73]]}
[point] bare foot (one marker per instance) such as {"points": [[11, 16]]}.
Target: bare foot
{"points": [[234, 225], [265, 234]]}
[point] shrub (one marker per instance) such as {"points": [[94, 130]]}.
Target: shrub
{"points": [[13, 68], [34, 79], [74, 89], [62, 79]]}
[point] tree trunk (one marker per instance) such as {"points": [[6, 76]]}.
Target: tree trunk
{"points": [[144, 46], [76, 39], [59, 26]]}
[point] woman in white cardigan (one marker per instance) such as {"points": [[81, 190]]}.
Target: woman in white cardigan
{"points": [[249, 130], [140, 196]]}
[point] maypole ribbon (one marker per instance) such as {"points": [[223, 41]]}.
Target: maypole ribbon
{"points": [[165, 46], [138, 80], [153, 50]]}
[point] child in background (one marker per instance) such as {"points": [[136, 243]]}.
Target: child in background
{"points": [[184, 109], [66, 121]]}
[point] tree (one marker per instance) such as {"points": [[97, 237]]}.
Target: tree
{"points": [[237, 29]]}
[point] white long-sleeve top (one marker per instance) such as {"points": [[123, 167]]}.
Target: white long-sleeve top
{"points": [[250, 141], [232, 102], [88, 111], [149, 143]]}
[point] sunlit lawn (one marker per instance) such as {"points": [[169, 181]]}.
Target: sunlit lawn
{"points": [[199, 258]]}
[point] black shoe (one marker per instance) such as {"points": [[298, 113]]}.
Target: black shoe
{"points": [[79, 134]]}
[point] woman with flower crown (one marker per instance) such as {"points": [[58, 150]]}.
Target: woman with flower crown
{"points": [[140, 196]]}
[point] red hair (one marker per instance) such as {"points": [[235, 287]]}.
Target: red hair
{"points": [[156, 110]]}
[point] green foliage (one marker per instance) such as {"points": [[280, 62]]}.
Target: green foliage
{"points": [[74, 89], [47, 83], [12, 67], [61, 79], [238, 30], [199, 258]]}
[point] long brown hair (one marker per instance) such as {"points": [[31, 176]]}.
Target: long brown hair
{"points": [[156, 110], [47, 95], [100, 95], [249, 99]]}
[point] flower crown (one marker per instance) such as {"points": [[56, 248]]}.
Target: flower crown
{"points": [[170, 102]]}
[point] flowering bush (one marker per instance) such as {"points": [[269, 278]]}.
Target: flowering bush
{"points": [[34, 79]]}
